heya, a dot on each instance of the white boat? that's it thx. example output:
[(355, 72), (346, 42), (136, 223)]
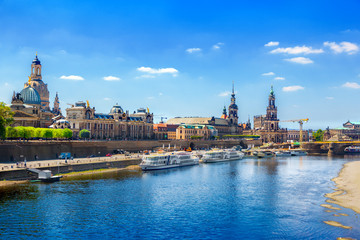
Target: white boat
[(298, 153), (283, 154), (222, 155), (352, 149), (265, 154), (168, 160)]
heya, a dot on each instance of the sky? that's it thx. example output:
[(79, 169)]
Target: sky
[(179, 58)]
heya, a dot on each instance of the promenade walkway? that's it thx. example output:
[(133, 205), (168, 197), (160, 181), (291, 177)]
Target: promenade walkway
[(60, 162)]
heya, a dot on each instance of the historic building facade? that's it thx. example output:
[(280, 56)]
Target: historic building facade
[(115, 125), (267, 126), (349, 131), (186, 132), (225, 125), (31, 106)]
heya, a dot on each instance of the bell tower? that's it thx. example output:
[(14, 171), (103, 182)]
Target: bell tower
[(271, 120), (233, 110), (56, 110), (36, 69)]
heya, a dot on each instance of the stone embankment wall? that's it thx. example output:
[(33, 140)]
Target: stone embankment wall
[(11, 152), (23, 174)]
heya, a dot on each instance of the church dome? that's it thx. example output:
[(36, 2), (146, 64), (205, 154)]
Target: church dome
[(116, 109), (30, 96), (36, 60)]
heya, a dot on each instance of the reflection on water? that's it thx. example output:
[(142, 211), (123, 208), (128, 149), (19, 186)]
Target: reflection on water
[(19, 192), (246, 199)]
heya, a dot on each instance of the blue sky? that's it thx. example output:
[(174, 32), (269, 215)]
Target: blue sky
[(179, 58)]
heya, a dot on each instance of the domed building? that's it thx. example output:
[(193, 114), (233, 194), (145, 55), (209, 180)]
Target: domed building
[(31, 105), (116, 109), (117, 124), (30, 96), (36, 82)]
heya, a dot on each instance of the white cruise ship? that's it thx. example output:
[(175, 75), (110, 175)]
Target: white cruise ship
[(222, 155), (168, 160)]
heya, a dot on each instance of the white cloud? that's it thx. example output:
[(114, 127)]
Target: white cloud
[(107, 99), (271, 44), (193, 50), (268, 74), (150, 98), (111, 78), (292, 88), (279, 78), (329, 98), (353, 85), (72, 77), (297, 50), (301, 60), (150, 70), (160, 93), (347, 47), (6, 84), (217, 46), (225, 94)]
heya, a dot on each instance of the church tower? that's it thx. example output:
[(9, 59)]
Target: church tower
[(35, 81), (56, 110), (271, 120), (233, 110)]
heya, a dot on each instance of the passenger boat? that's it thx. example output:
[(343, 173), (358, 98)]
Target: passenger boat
[(265, 154), (222, 155), (352, 149), (298, 153), (168, 160), (283, 154)]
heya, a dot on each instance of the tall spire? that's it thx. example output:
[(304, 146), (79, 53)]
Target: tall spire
[(272, 91)]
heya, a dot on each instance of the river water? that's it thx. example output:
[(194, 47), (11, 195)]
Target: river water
[(244, 199)]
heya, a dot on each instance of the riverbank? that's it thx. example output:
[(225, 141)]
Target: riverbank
[(71, 175), (347, 193), (99, 171)]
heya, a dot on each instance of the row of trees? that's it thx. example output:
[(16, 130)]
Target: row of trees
[(35, 133)]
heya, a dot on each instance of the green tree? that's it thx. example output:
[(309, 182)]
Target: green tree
[(58, 133), (29, 132), (20, 132), (318, 135), (47, 133), (83, 134), (38, 132), (67, 133), (11, 132), (6, 118)]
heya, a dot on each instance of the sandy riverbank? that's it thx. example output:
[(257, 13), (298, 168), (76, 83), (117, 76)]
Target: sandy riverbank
[(347, 193)]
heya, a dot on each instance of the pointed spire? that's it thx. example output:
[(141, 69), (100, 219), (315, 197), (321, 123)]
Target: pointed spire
[(272, 91), (233, 87)]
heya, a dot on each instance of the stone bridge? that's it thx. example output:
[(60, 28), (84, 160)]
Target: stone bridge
[(329, 148)]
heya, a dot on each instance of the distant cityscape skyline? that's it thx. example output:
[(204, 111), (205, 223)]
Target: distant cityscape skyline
[(180, 60)]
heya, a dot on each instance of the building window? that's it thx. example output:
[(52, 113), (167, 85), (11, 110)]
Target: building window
[(73, 125)]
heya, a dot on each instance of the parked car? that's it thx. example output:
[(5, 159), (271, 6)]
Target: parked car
[(118, 151), (92, 156), (108, 155), (65, 155)]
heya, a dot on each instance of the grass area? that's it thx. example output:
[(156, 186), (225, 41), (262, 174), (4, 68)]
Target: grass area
[(130, 167)]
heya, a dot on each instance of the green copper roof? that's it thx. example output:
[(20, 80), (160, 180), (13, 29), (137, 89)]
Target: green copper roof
[(30, 96), (272, 91)]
